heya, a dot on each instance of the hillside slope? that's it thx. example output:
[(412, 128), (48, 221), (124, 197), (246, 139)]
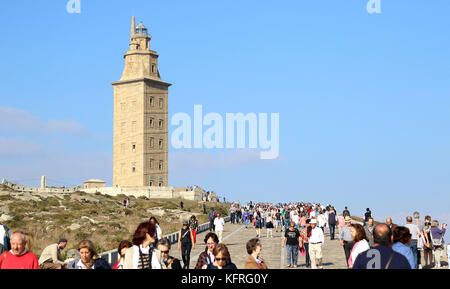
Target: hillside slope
[(100, 218)]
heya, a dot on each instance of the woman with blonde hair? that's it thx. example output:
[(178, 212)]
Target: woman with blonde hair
[(29, 241), (89, 258)]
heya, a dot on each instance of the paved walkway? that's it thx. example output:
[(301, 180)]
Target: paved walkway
[(236, 237)]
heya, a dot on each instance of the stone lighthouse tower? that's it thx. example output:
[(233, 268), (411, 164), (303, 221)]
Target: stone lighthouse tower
[(140, 155)]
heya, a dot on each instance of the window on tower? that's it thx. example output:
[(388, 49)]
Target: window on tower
[(152, 163)]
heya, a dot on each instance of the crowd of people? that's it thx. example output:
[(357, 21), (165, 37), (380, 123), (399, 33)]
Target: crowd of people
[(413, 245)]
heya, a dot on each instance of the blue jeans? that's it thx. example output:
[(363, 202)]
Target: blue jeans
[(232, 215), (414, 250), (246, 222), (292, 254), (238, 219), (286, 224), (332, 232), (308, 260)]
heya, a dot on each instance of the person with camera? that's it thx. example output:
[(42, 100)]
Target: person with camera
[(437, 240)]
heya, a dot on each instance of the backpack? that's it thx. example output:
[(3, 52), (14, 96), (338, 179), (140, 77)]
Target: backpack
[(309, 231), (436, 242)]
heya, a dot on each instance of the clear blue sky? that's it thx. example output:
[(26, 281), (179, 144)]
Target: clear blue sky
[(363, 99)]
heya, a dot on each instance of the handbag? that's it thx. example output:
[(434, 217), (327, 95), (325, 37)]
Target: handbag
[(420, 242)]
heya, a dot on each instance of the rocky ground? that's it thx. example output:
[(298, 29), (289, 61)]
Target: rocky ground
[(100, 218)]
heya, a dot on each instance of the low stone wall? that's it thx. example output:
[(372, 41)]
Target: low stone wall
[(20, 188), (149, 192)]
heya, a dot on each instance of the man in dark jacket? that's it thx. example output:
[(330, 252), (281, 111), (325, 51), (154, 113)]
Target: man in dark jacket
[(381, 255), (346, 213), (98, 264), (332, 222), (211, 217)]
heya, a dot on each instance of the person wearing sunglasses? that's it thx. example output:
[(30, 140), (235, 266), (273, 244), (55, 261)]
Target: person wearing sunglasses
[(168, 261), (222, 257)]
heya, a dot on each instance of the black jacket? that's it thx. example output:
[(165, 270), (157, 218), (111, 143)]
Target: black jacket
[(99, 264)]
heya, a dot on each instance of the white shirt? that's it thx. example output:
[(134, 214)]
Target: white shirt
[(158, 232), (295, 219), (219, 224), (312, 214), (211, 257), (155, 263), (360, 247), (80, 265), (321, 220), (316, 236)]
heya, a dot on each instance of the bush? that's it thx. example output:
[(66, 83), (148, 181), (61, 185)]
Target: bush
[(128, 212), (80, 236), (6, 198)]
